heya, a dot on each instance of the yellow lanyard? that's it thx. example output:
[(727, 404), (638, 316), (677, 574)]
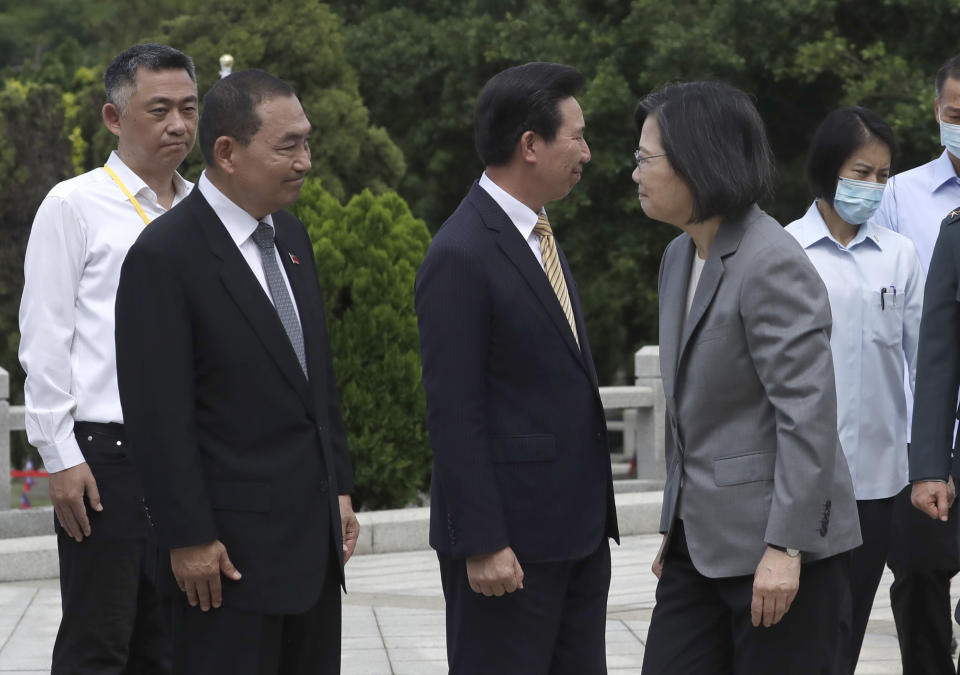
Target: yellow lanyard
[(133, 200)]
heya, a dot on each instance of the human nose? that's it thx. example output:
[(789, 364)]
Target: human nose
[(176, 124), (636, 175), (585, 154), (302, 161)]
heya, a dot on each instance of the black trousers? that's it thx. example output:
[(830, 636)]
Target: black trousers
[(923, 557), (112, 615), (701, 626), (866, 567), (226, 641), (555, 625)]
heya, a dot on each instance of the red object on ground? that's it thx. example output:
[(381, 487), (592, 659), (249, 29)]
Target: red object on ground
[(33, 473)]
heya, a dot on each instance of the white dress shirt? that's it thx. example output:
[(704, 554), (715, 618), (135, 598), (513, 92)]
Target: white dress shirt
[(78, 241), (873, 335), (240, 226), (521, 215)]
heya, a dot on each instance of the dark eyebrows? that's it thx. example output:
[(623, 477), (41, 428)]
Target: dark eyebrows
[(166, 100), (292, 136)]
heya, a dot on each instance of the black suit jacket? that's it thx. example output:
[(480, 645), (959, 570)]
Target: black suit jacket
[(232, 441), (514, 414), (938, 360)]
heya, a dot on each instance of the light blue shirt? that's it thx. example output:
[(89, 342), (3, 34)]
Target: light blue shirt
[(871, 339), (915, 202)]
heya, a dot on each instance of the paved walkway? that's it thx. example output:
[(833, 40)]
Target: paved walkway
[(393, 617)]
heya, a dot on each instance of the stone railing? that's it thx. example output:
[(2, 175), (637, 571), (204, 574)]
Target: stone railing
[(641, 406)]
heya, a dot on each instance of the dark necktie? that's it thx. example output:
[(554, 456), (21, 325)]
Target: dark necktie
[(263, 235)]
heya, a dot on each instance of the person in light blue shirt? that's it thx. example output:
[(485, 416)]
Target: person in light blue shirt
[(875, 284), (925, 553)]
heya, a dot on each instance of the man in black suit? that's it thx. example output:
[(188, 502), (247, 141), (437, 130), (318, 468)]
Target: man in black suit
[(522, 498), (938, 379), (230, 401)]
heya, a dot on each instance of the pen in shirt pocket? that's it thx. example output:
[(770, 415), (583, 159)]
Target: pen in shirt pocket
[(892, 290)]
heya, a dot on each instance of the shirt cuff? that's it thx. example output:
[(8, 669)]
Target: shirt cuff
[(928, 480), (60, 456)]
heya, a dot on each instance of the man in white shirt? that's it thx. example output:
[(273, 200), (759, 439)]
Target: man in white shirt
[(112, 621), (924, 553)]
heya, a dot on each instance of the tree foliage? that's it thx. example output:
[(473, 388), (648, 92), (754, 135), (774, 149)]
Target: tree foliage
[(367, 256), (422, 65)]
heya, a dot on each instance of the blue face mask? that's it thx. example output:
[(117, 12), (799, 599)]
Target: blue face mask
[(950, 137), (857, 200)]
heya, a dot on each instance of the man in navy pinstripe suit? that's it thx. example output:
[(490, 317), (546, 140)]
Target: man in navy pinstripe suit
[(522, 498)]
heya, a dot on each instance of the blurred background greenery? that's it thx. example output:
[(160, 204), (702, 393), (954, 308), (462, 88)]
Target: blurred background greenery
[(389, 89)]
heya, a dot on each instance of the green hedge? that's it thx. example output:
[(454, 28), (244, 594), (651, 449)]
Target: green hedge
[(367, 256)]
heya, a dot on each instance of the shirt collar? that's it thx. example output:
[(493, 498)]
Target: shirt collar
[(521, 215), (943, 172), (138, 187), (813, 229), (240, 224)]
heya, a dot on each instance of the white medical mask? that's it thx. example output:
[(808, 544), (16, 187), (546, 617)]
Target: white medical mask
[(857, 200), (950, 137)]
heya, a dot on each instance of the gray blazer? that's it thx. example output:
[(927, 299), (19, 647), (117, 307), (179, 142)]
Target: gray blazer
[(753, 456)]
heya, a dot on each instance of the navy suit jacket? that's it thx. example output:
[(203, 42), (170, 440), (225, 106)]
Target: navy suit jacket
[(513, 410), (232, 441), (938, 361)]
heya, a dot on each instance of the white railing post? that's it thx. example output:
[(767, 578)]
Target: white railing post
[(650, 430), (4, 440)]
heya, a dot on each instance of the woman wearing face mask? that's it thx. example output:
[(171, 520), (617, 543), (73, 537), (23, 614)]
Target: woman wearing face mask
[(758, 507), (875, 284)]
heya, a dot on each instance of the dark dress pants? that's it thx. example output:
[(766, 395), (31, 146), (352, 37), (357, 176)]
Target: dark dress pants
[(226, 641), (866, 567), (555, 625), (701, 626), (112, 615), (923, 557)]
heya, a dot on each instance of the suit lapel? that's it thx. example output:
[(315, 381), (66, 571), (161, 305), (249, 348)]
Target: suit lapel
[(514, 246), (584, 350), (246, 292), (673, 299), (724, 244)]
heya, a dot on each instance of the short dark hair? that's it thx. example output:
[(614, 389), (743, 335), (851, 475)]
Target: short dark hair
[(950, 68), (230, 107), (840, 134), (521, 98), (716, 142), (120, 78)]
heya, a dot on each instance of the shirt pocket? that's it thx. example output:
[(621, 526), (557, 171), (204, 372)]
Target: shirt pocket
[(884, 322)]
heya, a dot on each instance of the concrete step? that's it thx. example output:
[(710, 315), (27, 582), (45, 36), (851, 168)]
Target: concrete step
[(24, 558), (35, 557)]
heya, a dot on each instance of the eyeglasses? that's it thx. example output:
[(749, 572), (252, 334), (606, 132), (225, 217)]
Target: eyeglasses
[(641, 159)]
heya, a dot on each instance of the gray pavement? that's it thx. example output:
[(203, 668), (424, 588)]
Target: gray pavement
[(393, 617)]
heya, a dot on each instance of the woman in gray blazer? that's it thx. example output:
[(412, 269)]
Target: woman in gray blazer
[(758, 510), (875, 284)]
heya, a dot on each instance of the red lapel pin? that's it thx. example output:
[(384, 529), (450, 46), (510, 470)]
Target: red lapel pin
[(294, 259)]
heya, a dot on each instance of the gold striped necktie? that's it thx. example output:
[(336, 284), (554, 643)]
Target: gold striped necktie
[(551, 265)]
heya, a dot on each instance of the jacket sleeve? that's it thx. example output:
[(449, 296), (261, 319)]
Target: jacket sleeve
[(786, 316), (454, 315), (155, 360), (938, 365)]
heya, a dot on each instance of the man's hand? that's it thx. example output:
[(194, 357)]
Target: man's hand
[(67, 488), (657, 566), (350, 526), (932, 497), (775, 585), (495, 573), (197, 570)]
